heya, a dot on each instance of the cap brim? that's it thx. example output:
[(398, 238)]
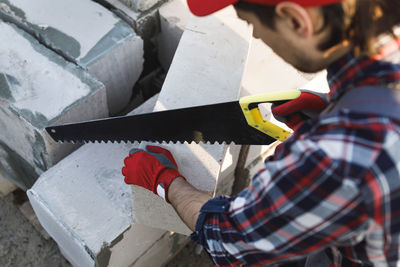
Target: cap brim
[(207, 7)]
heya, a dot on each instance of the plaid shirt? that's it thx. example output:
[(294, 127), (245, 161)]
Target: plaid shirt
[(334, 186)]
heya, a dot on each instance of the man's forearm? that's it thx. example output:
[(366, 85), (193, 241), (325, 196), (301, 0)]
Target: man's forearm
[(187, 201)]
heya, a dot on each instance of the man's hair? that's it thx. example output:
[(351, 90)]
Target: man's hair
[(358, 21)]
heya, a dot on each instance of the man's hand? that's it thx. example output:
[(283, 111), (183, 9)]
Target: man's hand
[(153, 168), (295, 111)]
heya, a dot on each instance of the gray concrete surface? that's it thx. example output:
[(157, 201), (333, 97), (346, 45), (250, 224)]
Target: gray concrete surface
[(20, 243)]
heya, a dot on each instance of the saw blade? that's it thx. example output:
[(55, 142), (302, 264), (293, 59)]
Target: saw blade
[(217, 123)]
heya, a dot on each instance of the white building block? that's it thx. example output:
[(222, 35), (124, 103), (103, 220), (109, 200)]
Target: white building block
[(207, 68), (174, 16), (90, 35), (140, 5), (38, 88), (85, 206)]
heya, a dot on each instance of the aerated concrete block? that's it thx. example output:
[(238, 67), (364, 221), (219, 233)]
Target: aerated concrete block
[(88, 34), (174, 17), (85, 206), (38, 88), (207, 68)]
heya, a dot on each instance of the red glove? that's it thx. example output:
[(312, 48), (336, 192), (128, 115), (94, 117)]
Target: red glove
[(294, 112), (153, 168)]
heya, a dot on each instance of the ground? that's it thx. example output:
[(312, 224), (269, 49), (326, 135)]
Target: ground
[(22, 245), (189, 258)]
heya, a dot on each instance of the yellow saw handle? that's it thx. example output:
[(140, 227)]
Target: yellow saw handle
[(251, 111)]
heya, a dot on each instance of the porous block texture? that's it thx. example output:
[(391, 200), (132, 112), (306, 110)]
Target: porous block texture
[(87, 34), (39, 88)]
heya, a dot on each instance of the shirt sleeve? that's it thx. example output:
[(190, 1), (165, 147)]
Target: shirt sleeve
[(305, 200)]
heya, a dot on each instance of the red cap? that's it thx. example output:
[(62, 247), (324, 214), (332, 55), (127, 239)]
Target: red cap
[(207, 7)]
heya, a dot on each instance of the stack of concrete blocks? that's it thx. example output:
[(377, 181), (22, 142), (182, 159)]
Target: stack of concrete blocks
[(142, 15), (38, 88), (88, 35), (83, 202), (63, 61)]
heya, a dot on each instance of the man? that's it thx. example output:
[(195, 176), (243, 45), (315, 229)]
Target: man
[(331, 193)]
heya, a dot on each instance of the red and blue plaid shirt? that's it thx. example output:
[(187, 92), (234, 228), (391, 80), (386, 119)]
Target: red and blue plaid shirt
[(334, 186)]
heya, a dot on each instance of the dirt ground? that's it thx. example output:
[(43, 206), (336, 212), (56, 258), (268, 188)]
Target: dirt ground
[(189, 258), (22, 245)]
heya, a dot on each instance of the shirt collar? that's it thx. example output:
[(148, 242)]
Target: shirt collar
[(350, 71)]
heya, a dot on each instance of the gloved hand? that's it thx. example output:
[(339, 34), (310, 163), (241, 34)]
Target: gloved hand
[(294, 112), (153, 168)]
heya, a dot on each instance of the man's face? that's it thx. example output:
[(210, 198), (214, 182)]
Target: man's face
[(298, 49)]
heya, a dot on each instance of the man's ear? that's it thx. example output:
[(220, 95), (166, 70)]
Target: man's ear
[(296, 18)]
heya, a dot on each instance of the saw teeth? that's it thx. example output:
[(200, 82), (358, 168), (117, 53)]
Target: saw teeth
[(129, 141)]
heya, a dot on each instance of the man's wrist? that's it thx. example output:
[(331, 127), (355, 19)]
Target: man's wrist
[(174, 187), (187, 200)]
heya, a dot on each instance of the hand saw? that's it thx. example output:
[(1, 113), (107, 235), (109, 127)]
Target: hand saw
[(239, 122)]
